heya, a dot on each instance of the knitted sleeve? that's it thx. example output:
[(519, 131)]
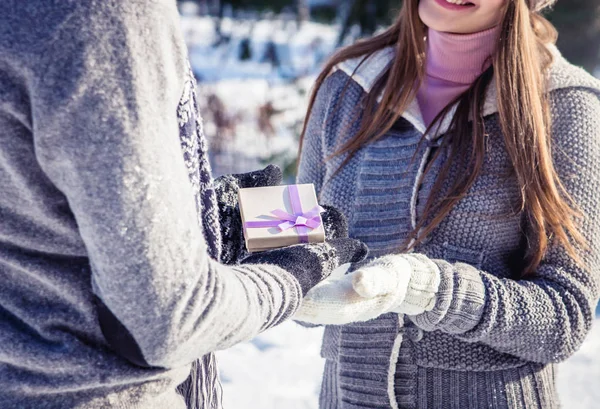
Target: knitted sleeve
[(104, 98), (546, 317)]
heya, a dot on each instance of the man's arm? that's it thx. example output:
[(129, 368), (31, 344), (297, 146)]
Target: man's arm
[(104, 93)]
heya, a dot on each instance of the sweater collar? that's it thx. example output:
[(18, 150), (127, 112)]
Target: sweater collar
[(560, 75), (460, 58)]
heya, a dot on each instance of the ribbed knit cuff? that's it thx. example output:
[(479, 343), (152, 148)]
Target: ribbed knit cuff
[(422, 287), (459, 302)]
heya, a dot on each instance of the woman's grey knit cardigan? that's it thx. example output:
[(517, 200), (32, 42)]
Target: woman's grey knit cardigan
[(492, 339)]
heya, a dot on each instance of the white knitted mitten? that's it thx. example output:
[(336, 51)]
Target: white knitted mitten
[(363, 295), (423, 286), (394, 283)]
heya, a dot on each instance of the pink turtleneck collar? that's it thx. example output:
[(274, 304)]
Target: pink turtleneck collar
[(453, 62)]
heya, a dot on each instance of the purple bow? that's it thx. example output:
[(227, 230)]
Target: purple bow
[(303, 222)]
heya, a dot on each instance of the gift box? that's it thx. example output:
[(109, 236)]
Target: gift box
[(280, 216)]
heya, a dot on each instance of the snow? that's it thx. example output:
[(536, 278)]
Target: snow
[(300, 50), (247, 146), (245, 87), (578, 376), (281, 368)]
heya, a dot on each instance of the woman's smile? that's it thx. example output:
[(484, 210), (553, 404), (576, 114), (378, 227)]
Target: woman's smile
[(461, 16), (455, 4)]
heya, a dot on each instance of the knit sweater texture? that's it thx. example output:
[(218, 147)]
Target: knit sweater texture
[(108, 214), (492, 339)]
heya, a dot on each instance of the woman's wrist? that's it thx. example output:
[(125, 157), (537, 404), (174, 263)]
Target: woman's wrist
[(422, 287)]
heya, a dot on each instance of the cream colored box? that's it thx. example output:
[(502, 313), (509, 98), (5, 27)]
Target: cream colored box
[(257, 205)]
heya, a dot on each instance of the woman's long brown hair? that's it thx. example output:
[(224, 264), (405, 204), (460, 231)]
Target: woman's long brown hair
[(518, 68)]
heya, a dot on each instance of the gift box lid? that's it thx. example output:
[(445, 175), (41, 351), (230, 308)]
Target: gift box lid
[(274, 205)]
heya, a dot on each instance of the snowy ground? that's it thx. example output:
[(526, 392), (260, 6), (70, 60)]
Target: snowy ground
[(281, 369)]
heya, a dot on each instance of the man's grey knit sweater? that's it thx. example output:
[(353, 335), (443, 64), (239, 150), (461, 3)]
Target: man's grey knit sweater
[(492, 339), (98, 219)]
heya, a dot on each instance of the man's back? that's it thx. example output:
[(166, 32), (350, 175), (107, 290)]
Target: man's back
[(52, 350), (109, 228)]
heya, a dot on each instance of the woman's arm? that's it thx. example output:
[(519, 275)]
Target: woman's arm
[(544, 318)]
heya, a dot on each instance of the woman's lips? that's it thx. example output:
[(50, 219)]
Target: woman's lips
[(452, 6)]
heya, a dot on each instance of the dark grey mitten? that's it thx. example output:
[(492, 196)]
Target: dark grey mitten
[(334, 223), (226, 188), (312, 263)]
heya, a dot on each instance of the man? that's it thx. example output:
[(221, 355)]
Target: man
[(109, 222)]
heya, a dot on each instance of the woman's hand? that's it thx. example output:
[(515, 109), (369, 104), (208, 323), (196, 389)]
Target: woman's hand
[(388, 284)]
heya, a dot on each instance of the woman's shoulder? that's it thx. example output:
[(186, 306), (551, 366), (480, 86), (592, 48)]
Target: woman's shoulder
[(352, 79), (346, 86), (562, 74), (565, 78), (361, 72), (575, 101), (366, 69)]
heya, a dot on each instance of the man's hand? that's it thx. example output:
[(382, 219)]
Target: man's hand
[(226, 188), (232, 231), (312, 263)]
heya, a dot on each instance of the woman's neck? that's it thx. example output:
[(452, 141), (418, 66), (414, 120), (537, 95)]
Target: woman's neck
[(460, 58), (453, 62)]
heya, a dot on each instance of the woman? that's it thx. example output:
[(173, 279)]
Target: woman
[(465, 150)]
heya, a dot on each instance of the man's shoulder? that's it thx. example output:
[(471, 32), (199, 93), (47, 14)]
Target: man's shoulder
[(39, 22)]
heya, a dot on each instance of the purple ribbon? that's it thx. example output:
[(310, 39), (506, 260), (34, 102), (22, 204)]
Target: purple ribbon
[(302, 221)]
